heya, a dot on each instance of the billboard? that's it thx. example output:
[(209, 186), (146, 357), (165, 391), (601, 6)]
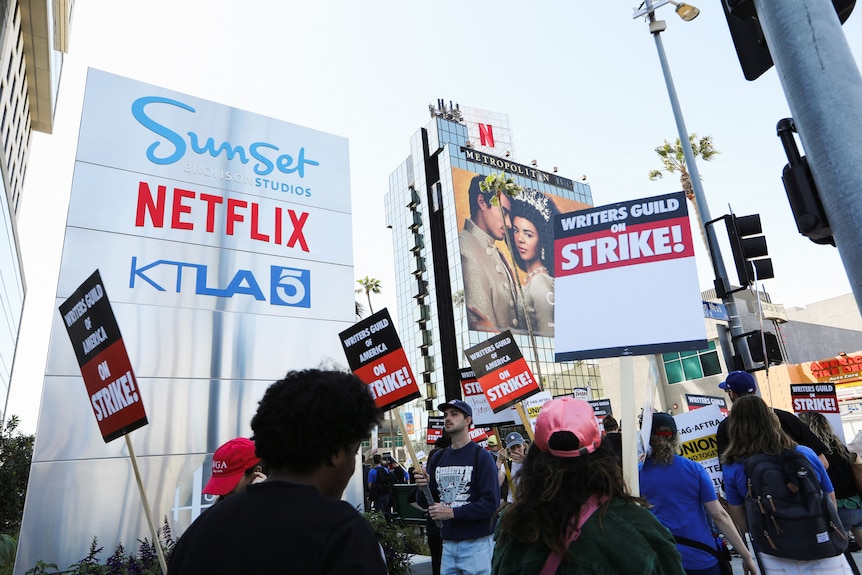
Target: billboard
[(224, 240), (627, 271), (495, 276)]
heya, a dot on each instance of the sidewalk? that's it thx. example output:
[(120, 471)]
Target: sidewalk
[(422, 564)]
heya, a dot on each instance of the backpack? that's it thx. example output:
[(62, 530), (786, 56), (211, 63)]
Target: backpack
[(788, 514), (382, 483)]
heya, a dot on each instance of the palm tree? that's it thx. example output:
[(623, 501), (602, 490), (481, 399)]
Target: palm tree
[(369, 286), (360, 310), (673, 161)]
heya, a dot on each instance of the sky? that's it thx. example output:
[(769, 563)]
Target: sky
[(581, 82)]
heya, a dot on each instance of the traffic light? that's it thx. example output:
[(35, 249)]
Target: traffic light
[(748, 245), (811, 219), (756, 340), (747, 35)]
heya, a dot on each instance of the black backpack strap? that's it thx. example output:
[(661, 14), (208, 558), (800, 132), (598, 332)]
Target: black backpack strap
[(697, 545)]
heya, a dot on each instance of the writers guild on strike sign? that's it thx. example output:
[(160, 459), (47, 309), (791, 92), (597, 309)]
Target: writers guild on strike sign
[(502, 371), (103, 360), (375, 355)]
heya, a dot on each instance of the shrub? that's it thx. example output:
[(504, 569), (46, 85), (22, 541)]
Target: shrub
[(144, 561), (398, 541)]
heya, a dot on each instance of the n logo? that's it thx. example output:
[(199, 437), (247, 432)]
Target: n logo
[(486, 135)]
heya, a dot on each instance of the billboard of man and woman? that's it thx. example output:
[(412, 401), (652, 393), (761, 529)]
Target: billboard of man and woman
[(492, 272)]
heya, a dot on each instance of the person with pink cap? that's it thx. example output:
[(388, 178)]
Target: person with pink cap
[(235, 467), (573, 512)]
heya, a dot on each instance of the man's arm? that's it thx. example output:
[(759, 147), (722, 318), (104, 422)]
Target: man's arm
[(802, 434)]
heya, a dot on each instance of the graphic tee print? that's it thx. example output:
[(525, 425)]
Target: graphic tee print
[(453, 483)]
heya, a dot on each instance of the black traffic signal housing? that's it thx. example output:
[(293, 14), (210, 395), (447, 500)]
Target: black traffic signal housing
[(756, 342), (749, 248), (747, 35), (811, 220)]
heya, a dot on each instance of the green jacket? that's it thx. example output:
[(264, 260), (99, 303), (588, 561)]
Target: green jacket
[(627, 539)]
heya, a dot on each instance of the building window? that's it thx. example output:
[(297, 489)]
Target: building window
[(688, 365)]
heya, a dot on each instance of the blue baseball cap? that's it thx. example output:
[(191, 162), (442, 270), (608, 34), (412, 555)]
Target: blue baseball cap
[(458, 404), (739, 382)]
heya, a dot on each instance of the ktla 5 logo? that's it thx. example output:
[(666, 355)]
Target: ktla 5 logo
[(287, 286)]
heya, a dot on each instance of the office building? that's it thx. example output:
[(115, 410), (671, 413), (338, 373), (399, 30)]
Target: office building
[(443, 307), (33, 39)]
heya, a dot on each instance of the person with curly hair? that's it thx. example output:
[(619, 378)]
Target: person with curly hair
[(307, 428), (840, 471), (573, 512), (681, 494), (754, 428), (532, 235)]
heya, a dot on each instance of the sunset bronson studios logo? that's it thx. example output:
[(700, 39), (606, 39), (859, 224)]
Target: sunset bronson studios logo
[(268, 161)]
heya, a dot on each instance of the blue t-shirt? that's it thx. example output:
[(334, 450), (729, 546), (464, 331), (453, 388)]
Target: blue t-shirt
[(735, 480), (677, 493)]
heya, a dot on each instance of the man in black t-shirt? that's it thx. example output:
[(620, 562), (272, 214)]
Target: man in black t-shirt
[(740, 383), (307, 429)]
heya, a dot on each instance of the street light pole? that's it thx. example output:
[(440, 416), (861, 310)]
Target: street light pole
[(656, 27)]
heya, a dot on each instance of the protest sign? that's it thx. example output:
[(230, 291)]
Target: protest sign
[(502, 371), (697, 440), (375, 355), (104, 362), (601, 407), (533, 405), (628, 271), (819, 397), (814, 397), (698, 401), (435, 429), (475, 397), (478, 434)]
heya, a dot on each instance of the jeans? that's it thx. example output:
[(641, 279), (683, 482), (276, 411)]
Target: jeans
[(850, 518), (468, 557)]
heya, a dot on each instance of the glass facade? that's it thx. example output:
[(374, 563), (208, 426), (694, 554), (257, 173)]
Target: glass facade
[(439, 153), (688, 365), (21, 60)]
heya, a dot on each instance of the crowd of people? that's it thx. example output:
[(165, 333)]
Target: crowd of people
[(556, 502)]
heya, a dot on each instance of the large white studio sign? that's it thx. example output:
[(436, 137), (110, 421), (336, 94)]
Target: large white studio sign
[(223, 238)]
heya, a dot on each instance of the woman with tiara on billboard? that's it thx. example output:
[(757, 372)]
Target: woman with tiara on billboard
[(532, 235)]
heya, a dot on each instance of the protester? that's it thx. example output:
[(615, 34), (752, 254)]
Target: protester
[(493, 445), (755, 429), (570, 481), (380, 481), (680, 494), (509, 463), (613, 437), (307, 428), (741, 384), (463, 478), (840, 472), (432, 532), (235, 466)]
